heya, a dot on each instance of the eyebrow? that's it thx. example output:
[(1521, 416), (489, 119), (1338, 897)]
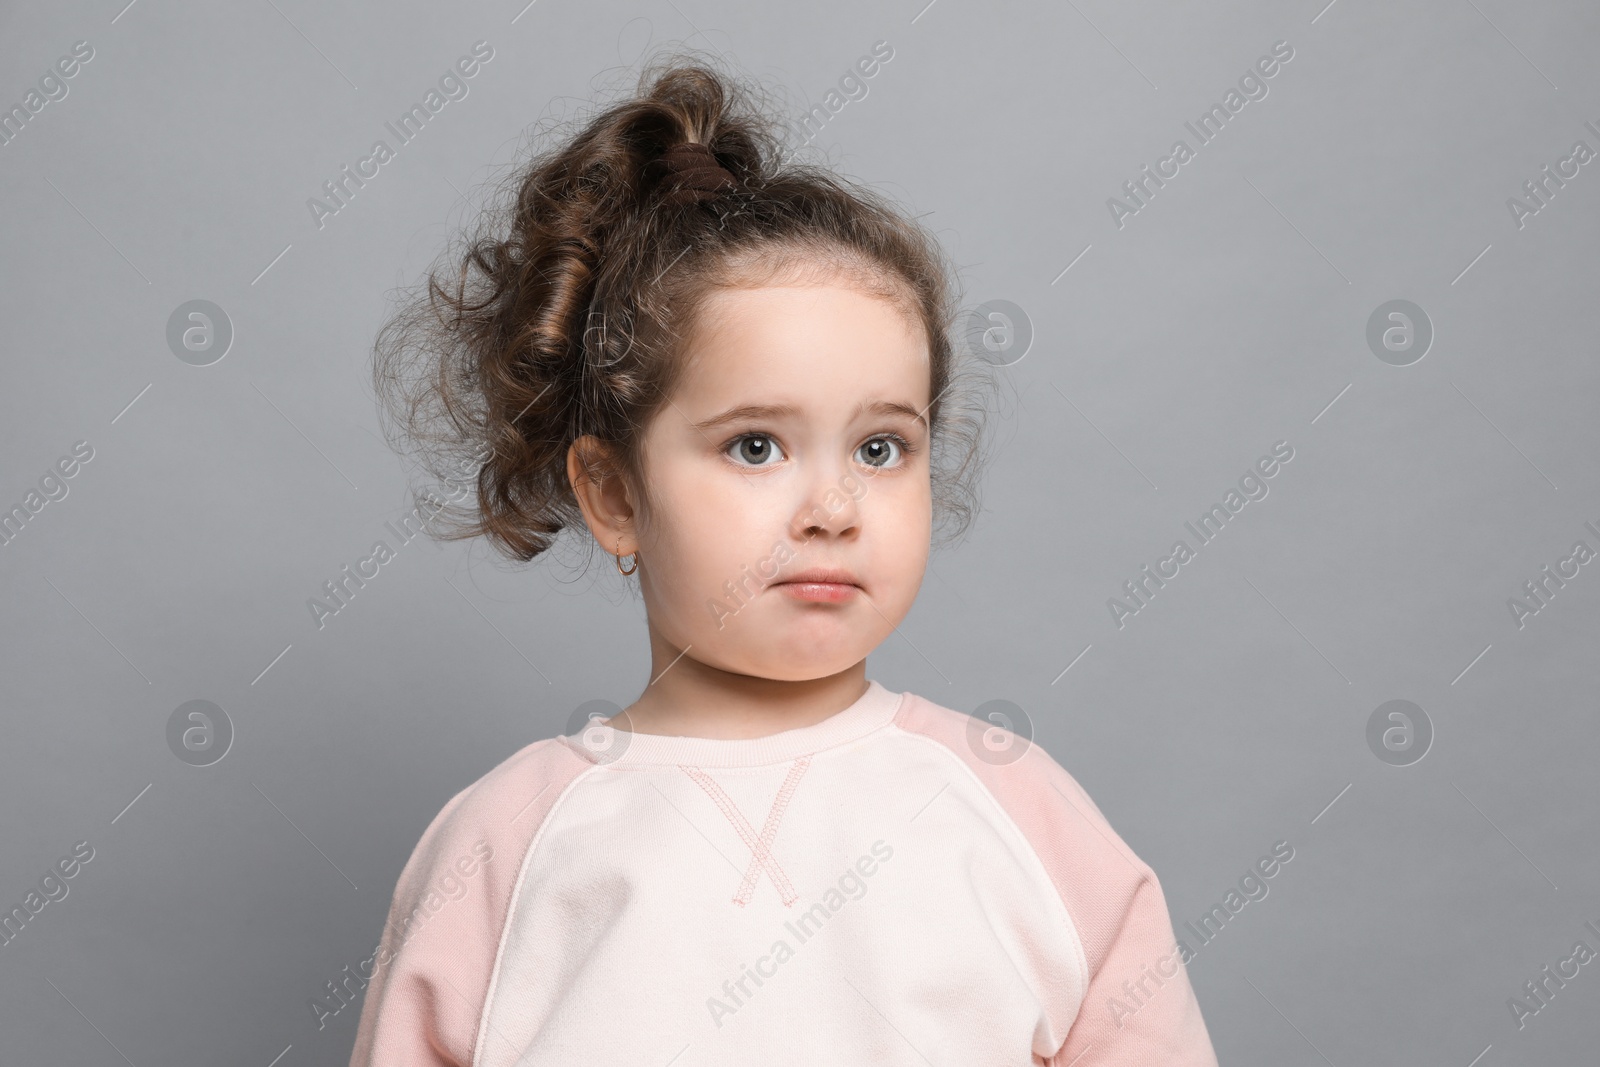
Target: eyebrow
[(775, 411)]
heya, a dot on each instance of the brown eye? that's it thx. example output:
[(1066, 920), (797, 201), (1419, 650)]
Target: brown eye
[(754, 450)]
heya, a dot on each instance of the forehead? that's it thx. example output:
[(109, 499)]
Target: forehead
[(824, 340)]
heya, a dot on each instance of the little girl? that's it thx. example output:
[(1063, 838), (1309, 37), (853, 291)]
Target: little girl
[(738, 373)]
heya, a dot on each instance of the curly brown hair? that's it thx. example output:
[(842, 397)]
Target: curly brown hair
[(565, 313)]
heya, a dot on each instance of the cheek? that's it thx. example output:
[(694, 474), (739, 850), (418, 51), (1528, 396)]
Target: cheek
[(902, 528), (704, 534)]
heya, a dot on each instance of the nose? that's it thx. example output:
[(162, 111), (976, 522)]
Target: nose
[(829, 507)]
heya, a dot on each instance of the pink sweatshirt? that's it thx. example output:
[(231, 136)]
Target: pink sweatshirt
[(869, 889)]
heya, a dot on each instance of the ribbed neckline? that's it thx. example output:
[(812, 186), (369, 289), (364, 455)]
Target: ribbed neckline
[(875, 708)]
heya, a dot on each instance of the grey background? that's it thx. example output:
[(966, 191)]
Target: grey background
[(1228, 314)]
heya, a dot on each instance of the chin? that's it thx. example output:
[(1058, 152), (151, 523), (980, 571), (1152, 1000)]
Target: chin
[(795, 642), (791, 657), (796, 659), (785, 669)]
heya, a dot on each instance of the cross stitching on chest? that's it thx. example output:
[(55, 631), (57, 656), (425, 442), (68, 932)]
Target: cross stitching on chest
[(761, 857)]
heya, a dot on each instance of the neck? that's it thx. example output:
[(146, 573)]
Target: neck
[(689, 698)]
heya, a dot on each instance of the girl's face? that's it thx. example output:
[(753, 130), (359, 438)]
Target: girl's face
[(795, 442)]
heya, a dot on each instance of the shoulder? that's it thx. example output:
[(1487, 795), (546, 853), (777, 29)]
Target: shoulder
[(504, 807), (481, 835), (1017, 770), (431, 970), (1089, 862), (1112, 896)]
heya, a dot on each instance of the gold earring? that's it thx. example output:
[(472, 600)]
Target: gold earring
[(618, 555)]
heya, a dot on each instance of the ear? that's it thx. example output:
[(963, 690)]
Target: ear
[(595, 472)]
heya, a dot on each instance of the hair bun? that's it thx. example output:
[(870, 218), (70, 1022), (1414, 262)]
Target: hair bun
[(693, 173)]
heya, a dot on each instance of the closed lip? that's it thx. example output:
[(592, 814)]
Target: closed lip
[(819, 574)]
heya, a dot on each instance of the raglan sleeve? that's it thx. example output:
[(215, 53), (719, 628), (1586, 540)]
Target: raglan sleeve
[(1139, 1009), (428, 977)]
